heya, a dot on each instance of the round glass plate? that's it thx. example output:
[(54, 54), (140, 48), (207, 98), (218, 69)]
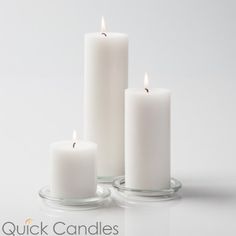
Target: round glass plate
[(105, 179), (147, 195), (101, 198)]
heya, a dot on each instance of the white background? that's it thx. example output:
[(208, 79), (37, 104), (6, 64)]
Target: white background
[(188, 46)]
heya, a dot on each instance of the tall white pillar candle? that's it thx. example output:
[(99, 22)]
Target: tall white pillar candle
[(106, 73), (73, 166), (147, 138)]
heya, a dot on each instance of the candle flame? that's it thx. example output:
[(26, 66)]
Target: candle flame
[(146, 82), (74, 135), (103, 25), (74, 138)]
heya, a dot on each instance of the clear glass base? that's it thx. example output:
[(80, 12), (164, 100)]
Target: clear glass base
[(105, 179), (101, 198), (147, 195)]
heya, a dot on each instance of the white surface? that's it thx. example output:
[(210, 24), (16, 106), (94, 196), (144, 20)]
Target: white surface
[(187, 46)]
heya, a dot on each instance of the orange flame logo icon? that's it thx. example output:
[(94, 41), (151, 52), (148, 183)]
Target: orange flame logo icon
[(28, 221)]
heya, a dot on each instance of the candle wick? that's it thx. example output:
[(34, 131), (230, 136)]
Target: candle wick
[(74, 144), (104, 34), (147, 90)]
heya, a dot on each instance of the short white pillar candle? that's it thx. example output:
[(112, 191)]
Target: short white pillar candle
[(73, 167), (147, 138)]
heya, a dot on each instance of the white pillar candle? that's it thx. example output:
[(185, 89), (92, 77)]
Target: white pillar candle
[(73, 165), (147, 138), (106, 76)]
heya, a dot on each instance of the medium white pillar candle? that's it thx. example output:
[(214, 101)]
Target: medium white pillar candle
[(73, 166), (147, 138), (106, 76)]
